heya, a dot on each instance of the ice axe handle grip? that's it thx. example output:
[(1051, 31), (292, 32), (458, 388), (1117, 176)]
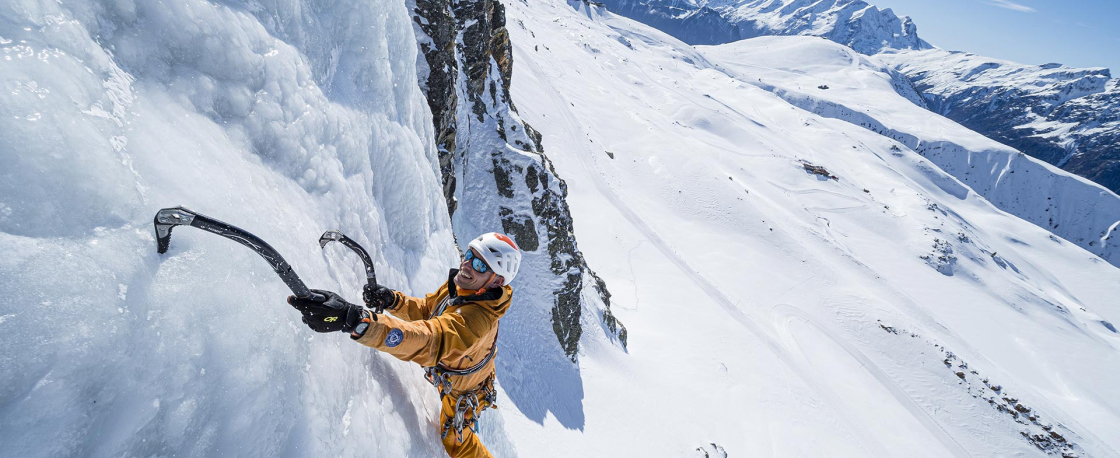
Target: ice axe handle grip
[(315, 297)]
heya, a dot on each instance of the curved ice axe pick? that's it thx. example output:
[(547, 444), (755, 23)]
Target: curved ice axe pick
[(336, 236), (168, 218)]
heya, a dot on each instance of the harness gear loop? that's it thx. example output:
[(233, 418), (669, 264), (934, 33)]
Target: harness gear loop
[(459, 421), (471, 403), (439, 379)]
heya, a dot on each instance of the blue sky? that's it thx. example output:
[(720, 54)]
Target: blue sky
[(1078, 33)]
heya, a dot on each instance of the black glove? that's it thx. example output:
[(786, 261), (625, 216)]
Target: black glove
[(378, 298), (330, 315)]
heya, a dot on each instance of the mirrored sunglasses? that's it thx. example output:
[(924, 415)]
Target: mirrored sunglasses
[(477, 263)]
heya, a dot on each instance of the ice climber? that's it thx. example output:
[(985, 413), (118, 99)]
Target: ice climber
[(452, 332)]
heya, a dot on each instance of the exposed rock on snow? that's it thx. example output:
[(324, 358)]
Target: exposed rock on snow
[(941, 258), (1050, 438), (818, 170)]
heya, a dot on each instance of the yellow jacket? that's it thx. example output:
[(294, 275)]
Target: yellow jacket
[(457, 337)]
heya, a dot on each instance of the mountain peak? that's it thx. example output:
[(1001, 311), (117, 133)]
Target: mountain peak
[(854, 23)]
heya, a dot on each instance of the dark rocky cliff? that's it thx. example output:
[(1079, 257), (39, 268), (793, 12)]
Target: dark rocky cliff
[(495, 173)]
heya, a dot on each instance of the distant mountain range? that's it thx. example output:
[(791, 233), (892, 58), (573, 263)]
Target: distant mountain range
[(1065, 116)]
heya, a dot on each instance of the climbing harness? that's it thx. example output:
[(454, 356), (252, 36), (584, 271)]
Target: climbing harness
[(474, 401)]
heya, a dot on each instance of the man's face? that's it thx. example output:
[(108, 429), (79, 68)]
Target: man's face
[(468, 278)]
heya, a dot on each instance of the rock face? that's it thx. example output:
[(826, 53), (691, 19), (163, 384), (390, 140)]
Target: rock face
[(496, 176), (1068, 117), (855, 23)]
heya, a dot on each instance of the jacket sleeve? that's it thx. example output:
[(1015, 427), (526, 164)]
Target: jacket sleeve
[(428, 342), (410, 308)]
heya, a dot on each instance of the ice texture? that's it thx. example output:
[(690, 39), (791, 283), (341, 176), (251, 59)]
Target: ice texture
[(283, 118)]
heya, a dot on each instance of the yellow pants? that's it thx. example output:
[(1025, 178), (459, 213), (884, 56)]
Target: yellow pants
[(471, 446)]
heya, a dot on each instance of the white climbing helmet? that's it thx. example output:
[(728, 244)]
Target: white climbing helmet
[(499, 252)]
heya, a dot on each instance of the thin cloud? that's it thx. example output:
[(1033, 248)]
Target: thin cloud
[(1008, 4)]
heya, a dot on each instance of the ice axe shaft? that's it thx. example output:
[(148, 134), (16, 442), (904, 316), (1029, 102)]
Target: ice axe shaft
[(336, 236), (166, 220)]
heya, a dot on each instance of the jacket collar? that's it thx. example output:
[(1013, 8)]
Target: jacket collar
[(453, 291)]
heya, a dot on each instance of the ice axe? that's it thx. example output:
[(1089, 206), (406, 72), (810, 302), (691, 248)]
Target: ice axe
[(336, 236), (168, 218)]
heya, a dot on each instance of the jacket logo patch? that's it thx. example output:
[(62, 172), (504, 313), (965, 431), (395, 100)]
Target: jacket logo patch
[(394, 338)]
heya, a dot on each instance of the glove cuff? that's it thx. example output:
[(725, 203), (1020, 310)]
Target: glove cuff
[(353, 316), (364, 320)]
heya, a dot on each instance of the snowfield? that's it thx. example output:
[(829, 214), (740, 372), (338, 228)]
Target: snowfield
[(800, 272), (777, 312)]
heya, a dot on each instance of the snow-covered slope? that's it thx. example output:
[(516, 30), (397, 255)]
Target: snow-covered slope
[(1069, 117), (837, 83), (286, 119), (777, 312), (1065, 117)]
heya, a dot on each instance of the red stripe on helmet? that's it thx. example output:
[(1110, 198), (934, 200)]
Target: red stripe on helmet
[(503, 238)]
